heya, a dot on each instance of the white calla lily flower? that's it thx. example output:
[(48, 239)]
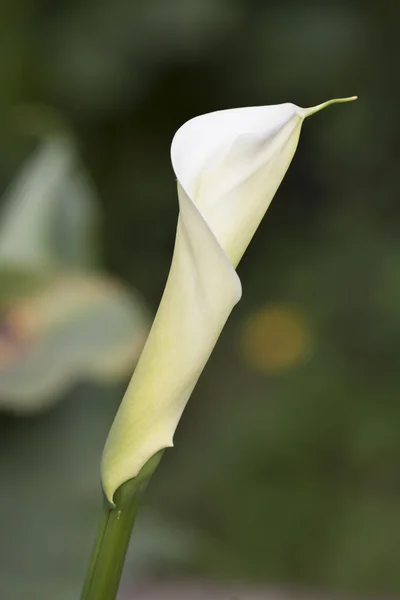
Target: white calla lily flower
[(229, 165)]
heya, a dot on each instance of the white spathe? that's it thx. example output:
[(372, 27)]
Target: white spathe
[(229, 165)]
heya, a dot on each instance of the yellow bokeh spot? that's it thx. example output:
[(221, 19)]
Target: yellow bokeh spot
[(275, 337)]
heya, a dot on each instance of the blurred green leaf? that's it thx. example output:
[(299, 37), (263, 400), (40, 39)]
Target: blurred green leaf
[(61, 320)]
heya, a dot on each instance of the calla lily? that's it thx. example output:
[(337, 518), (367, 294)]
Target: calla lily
[(229, 165)]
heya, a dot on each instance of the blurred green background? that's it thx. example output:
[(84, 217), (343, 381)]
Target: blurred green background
[(286, 466)]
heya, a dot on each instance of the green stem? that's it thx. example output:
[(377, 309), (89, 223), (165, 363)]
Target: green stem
[(111, 545), (113, 536)]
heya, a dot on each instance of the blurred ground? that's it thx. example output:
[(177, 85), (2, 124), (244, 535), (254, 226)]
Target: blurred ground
[(286, 464), (205, 591)]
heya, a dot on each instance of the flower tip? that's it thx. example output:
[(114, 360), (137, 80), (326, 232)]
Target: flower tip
[(307, 112)]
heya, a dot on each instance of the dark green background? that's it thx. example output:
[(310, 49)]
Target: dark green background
[(290, 477)]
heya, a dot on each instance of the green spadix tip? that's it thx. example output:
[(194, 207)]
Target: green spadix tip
[(307, 112)]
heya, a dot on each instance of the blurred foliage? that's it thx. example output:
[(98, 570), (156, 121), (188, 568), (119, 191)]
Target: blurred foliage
[(61, 319), (288, 475)]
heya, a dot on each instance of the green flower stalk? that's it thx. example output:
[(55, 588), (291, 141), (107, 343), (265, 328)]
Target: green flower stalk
[(228, 165)]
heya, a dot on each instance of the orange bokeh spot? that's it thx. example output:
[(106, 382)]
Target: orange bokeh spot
[(275, 337)]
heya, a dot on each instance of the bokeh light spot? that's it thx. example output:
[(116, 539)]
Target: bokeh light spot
[(275, 337)]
